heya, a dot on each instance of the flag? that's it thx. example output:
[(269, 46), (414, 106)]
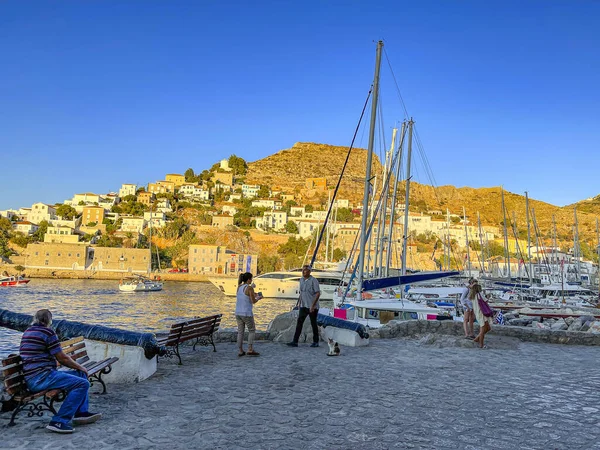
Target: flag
[(499, 318)]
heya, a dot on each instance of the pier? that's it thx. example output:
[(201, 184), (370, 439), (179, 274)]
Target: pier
[(396, 393)]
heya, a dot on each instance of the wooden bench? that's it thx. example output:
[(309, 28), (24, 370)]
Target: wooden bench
[(75, 348), (36, 404), (14, 382), (199, 328)]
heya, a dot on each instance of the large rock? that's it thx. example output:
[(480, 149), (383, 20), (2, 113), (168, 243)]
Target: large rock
[(559, 325), (283, 327), (595, 327)]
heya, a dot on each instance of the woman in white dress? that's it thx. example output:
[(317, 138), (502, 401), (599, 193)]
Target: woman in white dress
[(485, 323)]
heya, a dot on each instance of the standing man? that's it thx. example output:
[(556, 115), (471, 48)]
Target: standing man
[(40, 350), (309, 306), (469, 315)]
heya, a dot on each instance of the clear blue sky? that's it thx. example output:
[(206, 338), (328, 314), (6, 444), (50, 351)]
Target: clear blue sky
[(94, 93)]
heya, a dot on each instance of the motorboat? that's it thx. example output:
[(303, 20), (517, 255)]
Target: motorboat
[(13, 281), (139, 284), (283, 284)]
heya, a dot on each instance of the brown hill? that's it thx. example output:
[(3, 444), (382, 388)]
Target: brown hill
[(288, 170)]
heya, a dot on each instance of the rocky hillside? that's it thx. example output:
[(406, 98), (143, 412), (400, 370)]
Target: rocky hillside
[(288, 170)]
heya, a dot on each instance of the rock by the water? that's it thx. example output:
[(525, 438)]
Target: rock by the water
[(559, 325)]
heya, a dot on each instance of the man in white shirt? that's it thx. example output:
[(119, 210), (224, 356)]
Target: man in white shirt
[(469, 315), (308, 303)]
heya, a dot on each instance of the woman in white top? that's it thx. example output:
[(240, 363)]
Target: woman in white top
[(246, 298), (485, 323)]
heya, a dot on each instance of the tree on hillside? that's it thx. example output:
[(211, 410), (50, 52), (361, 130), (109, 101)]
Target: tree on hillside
[(67, 212), (267, 263), (38, 236), (339, 254), (130, 198), (189, 175), (238, 165), (291, 227), (263, 191), (308, 208), (344, 215)]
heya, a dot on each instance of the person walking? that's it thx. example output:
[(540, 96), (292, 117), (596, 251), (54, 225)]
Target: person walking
[(244, 315), (308, 302), (40, 350), (485, 323), (468, 315)]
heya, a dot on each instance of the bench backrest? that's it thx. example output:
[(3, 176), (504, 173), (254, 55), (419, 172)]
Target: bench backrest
[(75, 348), (193, 328), (14, 381)]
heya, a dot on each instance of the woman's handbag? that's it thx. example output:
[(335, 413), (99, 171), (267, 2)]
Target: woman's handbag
[(485, 307)]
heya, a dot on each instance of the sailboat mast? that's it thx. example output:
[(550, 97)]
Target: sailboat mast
[(598, 251), (576, 250), (393, 212), (327, 231), (406, 200), (448, 239), (150, 243), (481, 243), (381, 231), (528, 238), (506, 252), (363, 228), (467, 242), (554, 250)]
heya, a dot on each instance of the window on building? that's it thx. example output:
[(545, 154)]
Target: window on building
[(36, 253), (46, 262)]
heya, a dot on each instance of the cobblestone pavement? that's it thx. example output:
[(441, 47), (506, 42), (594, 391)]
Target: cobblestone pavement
[(392, 394)]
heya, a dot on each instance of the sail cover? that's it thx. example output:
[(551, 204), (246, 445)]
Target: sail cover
[(381, 283)]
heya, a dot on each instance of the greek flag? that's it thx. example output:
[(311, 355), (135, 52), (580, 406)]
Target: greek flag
[(500, 318)]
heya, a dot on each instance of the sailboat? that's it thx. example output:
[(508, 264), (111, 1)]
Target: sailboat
[(371, 298), (140, 283)]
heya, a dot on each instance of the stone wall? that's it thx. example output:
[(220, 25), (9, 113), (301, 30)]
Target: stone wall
[(410, 328)]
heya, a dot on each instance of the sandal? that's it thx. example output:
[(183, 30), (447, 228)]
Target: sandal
[(241, 354), (253, 353)]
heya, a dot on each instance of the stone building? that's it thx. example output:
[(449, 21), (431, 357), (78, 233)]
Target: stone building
[(61, 235), (222, 220), (217, 260), (175, 178), (92, 214), (146, 198)]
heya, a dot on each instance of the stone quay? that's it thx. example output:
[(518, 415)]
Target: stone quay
[(425, 391)]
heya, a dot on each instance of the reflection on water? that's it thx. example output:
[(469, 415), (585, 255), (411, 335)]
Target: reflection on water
[(101, 302)]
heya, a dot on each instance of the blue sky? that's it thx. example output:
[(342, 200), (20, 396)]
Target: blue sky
[(95, 93)]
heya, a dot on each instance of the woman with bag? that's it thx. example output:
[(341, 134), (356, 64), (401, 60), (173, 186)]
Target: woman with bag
[(483, 313), (244, 315)]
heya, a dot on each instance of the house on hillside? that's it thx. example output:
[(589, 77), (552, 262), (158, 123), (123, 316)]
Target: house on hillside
[(222, 221), (26, 227), (40, 212), (127, 189)]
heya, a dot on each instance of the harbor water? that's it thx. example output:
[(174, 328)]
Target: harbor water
[(100, 302)]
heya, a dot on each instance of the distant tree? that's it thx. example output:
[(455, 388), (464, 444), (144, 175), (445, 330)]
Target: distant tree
[(5, 224), (130, 198), (339, 254), (140, 189), (291, 227), (267, 263), (81, 203), (67, 212), (38, 235), (20, 239), (263, 191), (19, 268), (107, 240), (308, 208), (344, 215), (91, 224), (238, 165), (189, 175)]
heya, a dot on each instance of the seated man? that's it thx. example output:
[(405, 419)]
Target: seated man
[(40, 349)]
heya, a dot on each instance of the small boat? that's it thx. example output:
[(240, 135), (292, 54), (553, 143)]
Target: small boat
[(14, 281), (139, 284)]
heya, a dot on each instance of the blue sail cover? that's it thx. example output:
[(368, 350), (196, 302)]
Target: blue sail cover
[(382, 283)]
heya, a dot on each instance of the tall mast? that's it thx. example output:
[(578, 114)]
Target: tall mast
[(554, 251), (406, 200), (528, 239), (448, 238), (598, 251), (363, 229), (394, 195), (517, 247), (383, 212), (506, 252), (327, 230), (150, 238), (576, 250), (481, 243), (467, 242)]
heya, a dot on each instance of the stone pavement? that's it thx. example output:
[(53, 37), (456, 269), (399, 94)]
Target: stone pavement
[(433, 394)]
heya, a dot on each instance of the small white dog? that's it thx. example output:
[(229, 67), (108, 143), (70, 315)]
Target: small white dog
[(334, 348)]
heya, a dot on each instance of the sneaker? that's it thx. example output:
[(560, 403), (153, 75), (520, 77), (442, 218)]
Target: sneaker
[(86, 417), (314, 344), (292, 344), (59, 427)]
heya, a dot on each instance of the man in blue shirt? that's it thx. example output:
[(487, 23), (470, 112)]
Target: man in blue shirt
[(40, 350)]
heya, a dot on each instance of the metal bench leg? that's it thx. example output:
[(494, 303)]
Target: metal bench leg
[(196, 343), (97, 377), (17, 410), (210, 338), (177, 353)]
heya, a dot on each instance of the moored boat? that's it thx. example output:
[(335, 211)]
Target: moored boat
[(13, 281), (139, 284)]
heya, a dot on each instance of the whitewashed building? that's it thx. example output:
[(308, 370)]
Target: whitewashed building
[(127, 189), (272, 220), (133, 224), (250, 190), (157, 218), (41, 211), (26, 227)]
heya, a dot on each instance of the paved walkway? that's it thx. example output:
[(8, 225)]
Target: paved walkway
[(393, 394)]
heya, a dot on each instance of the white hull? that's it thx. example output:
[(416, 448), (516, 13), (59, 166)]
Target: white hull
[(141, 287), (282, 284)]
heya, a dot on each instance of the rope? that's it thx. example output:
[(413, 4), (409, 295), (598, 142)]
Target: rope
[(337, 187)]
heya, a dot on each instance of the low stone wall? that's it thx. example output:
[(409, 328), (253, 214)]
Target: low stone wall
[(105, 275), (411, 328)]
